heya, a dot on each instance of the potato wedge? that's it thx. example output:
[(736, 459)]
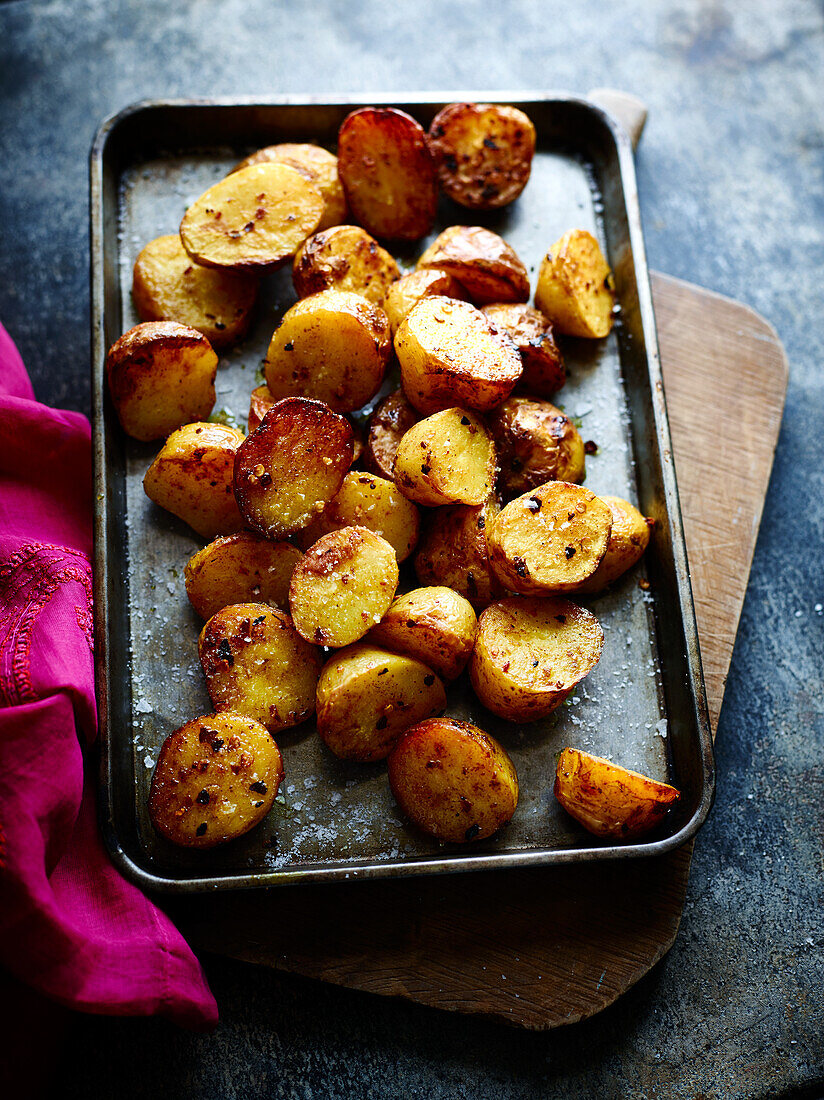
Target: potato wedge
[(288, 470), (428, 282), (482, 262), (544, 371), (387, 173), (343, 586), (344, 258), (609, 800), (368, 698), (483, 152), (161, 375), (261, 401), (255, 663), (628, 540), (192, 478), (536, 443), (453, 552), (388, 424), (318, 165), (575, 286), (253, 219), (453, 780), (240, 568), (334, 346), (550, 539), (450, 354), (435, 625), (447, 458), (215, 779), (529, 654)]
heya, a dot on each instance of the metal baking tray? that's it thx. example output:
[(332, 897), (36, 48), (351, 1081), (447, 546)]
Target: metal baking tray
[(643, 706)]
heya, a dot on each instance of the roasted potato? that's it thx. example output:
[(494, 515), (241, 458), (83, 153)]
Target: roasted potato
[(609, 800), (343, 586), (388, 424), (436, 625), (482, 262), (536, 443), (288, 470), (628, 540), (334, 347), (241, 568), (261, 401), (161, 375), (450, 354), (318, 165), (575, 286), (255, 663), (252, 220), (529, 654), (544, 371), (192, 478), (368, 698), (387, 173), (447, 458), (216, 778), (549, 540), (453, 780), (453, 552), (483, 152), (344, 258), (428, 282)]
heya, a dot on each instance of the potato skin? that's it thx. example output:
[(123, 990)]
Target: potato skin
[(408, 290), (447, 458), (318, 165), (435, 625), (240, 568), (482, 262), (344, 258), (531, 333), (388, 424), (573, 288), (536, 443), (628, 540), (453, 552), (453, 780)]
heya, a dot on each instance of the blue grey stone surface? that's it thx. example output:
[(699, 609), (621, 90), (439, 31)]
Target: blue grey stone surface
[(731, 175)]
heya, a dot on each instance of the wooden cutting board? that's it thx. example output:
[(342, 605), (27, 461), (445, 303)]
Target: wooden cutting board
[(540, 948)]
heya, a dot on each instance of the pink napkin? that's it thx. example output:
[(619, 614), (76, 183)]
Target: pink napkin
[(69, 924)]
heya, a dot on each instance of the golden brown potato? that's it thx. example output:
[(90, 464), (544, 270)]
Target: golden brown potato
[(344, 258), (255, 663), (161, 375), (450, 354), (482, 262), (241, 568), (436, 625), (429, 282), (447, 458), (387, 173), (453, 552), (549, 540), (529, 654), (388, 424), (192, 478), (628, 540), (343, 586), (609, 800), (253, 219), (483, 152), (288, 470), (216, 778), (318, 165), (368, 698), (574, 286), (167, 285), (334, 347), (536, 443), (261, 401), (453, 780), (531, 333)]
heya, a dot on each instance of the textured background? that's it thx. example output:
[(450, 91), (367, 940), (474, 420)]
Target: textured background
[(731, 173)]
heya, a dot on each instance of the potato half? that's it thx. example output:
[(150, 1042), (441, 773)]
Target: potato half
[(436, 625), (531, 333), (536, 443), (447, 458), (367, 698), (429, 282), (241, 568), (453, 552), (609, 800), (628, 540), (388, 424), (482, 262), (574, 286), (529, 654), (453, 780), (261, 401), (318, 165), (344, 258)]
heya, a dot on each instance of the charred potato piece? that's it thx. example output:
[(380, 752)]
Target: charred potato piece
[(483, 152), (368, 698), (389, 423), (531, 333), (450, 354), (255, 663), (529, 654), (343, 586), (453, 552), (261, 401), (216, 778), (447, 458), (288, 470), (334, 347), (429, 282), (241, 568), (161, 375), (436, 625), (482, 262), (253, 219), (536, 443), (344, 258), (549, 540), (574, 286), (628, 540), (387, 173), (453, 780), (318, 165), (609, 800), (192, 478)]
